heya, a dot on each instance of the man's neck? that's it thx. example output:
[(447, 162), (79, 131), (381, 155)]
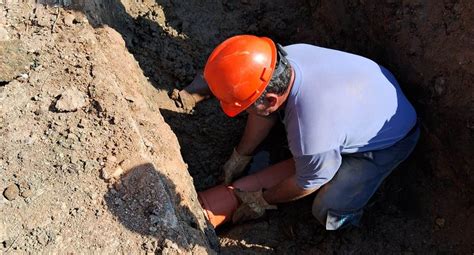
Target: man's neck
[(288, 90)]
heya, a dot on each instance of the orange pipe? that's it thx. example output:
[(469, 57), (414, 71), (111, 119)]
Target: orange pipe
[(219, 203)]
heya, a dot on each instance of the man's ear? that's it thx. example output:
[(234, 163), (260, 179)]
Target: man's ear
[(272, 99)]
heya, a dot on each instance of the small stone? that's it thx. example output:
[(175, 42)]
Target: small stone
[(440, 222), (69, 19), (42, 238), (130, 98), (74, 159), (111, 158), (38, 111), (11, 192), (71, 100), (4, 34), (27, 193), (72, 137), (147, 143), (23, 77), (110, 173)]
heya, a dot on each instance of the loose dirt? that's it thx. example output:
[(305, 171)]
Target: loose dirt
[(101, 171)]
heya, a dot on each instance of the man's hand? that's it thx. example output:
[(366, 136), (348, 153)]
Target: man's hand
[(235, 166), (252, 206), (183, 100)]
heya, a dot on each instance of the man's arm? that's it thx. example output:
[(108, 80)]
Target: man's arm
[(312, 171), (256, 129), (254, 203), (286, 191)]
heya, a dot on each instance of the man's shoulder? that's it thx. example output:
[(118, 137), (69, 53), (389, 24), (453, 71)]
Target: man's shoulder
[(300, 47)]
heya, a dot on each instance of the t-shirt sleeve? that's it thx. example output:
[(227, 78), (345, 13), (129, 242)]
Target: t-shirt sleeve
[(313, 171)]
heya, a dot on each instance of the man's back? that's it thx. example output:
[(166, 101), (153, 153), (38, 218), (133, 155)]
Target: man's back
[(343, 102)]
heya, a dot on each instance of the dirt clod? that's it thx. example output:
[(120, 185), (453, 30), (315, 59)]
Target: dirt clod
[(11, 192), (70, 100)]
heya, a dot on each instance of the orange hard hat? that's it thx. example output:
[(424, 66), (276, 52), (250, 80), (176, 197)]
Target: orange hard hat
[(239, 70)]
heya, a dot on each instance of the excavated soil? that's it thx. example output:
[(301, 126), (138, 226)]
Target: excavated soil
[(57, 162)]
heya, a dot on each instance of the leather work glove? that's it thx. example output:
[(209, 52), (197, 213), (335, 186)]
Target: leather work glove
[(252, 206), (183, 100), (234, 166)]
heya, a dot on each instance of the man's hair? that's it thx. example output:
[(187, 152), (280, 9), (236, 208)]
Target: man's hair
[(280, 80)]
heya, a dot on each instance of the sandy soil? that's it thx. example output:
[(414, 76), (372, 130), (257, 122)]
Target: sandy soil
[(63, 166)]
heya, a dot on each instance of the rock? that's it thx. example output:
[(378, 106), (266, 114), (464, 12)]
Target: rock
[(71, 100), (11, 192), (36, 98), (42, 238), (4, 34), (27, 193), (110, 173), (69, 19), (38, 111), (23, 77)]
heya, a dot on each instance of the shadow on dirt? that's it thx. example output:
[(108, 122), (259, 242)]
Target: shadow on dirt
[(171, 41), (203, 146), (142, 201), (169, 50), (207, 137)]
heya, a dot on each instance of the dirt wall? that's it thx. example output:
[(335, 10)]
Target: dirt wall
[(87, 162), (429, 45)]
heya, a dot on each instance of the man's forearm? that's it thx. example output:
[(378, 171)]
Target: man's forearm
[(198, 88), (256, 129), (286, 191)]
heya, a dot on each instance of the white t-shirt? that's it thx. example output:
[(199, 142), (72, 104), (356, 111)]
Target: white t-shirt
[(340, 103)]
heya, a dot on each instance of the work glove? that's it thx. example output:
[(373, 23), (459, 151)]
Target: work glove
[(252, 206), (183, 100), (235, 166)]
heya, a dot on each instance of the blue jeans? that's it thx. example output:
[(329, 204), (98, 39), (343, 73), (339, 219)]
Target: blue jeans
[(340, 202)]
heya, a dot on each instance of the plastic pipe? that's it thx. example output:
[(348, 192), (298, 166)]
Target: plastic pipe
[(219, 203)]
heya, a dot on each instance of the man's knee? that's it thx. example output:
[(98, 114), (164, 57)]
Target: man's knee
[(332, 217)]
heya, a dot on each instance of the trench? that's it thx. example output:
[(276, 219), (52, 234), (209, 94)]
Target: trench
[(172, 39)]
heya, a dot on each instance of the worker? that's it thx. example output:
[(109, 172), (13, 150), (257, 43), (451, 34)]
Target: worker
[(348, 124)]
